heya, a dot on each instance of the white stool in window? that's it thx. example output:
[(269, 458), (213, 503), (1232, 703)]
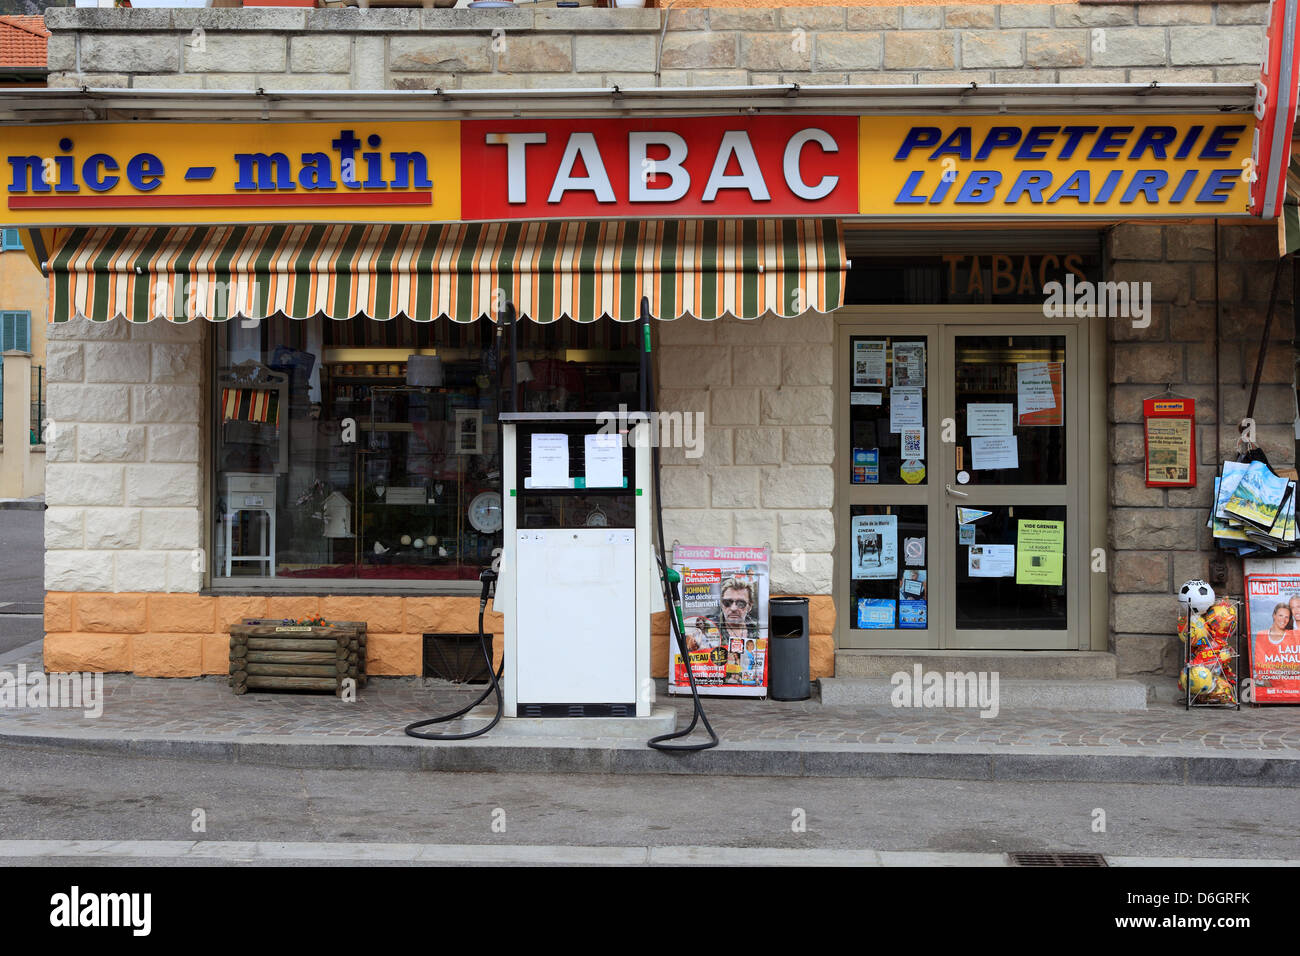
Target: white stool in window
[(251, 492)]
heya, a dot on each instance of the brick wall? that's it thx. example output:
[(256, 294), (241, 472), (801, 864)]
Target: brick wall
[(1158, 537), (340, 49)]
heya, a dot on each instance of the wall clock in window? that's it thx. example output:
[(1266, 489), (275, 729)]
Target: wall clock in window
[(485, 512)]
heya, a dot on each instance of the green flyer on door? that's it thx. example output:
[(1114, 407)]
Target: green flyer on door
[(1040, 552)]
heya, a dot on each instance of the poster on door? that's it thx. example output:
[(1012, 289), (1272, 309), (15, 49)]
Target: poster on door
[(874, 540), (1039, 393), (724, 617)]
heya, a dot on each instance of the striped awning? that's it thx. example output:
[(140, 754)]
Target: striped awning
[(462, 271)]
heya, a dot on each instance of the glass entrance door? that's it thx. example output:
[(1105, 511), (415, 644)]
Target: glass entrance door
[(960, 447), (1011, 504)]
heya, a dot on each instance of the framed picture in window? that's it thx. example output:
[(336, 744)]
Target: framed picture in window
[(469, 431)]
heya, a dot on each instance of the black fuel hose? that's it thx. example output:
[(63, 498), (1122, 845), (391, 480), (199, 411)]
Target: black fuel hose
[(488, 577), (670, 601)]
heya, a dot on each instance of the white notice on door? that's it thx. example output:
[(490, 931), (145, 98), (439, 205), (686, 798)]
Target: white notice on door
[(991, 561), (988, 419), (905, 409), (550, 461), (994, 451)]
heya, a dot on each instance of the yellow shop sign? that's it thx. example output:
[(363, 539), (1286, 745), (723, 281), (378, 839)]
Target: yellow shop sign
[(115, 173), (1058, 166)]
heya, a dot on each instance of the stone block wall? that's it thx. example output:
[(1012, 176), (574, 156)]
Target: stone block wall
[(399, 49), (185, 635), (763, 476), (123, 480), (1158, 537)]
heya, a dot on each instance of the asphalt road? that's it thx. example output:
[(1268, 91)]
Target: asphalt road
[(57, 795), (22, 577)]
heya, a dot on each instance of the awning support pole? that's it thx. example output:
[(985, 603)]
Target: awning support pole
[(1263, 343), (508, 316)]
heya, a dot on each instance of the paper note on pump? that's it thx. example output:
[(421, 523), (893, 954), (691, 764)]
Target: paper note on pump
[(604, 457), (550, 461)]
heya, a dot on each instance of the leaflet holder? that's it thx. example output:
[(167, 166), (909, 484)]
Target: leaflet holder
[(577, 582)]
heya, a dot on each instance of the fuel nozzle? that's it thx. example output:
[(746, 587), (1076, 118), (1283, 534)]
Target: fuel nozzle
[(674, 579), (489, 579)]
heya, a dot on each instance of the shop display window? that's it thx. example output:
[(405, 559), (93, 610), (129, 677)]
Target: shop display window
[(370, 451)]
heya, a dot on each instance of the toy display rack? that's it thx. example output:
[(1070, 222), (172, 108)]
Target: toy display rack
[(1190, 699)]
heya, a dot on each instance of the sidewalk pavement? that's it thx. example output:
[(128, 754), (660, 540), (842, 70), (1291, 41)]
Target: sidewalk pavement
[(202, 719)]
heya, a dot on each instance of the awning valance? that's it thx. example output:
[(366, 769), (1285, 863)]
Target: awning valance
[(462, 271)]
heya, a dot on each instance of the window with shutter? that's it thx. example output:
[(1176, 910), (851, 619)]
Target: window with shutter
[(12, 240), (15, 331)]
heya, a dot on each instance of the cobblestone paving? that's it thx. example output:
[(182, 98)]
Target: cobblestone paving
[(206, 707)]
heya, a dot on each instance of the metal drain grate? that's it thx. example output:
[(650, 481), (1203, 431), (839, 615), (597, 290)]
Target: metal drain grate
[(1057, 859)]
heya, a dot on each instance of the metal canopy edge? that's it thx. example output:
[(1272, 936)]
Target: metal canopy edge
[(51, 106)]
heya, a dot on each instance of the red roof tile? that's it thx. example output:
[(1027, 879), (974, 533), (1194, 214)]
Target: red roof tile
[(22, 41)]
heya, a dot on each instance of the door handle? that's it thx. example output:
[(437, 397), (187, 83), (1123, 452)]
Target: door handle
[(953, 491)]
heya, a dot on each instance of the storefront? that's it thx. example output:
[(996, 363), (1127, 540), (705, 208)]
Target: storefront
[(895, 323)]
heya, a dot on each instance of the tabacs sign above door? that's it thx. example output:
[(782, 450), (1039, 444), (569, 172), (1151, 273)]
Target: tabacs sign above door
[(950, 167)]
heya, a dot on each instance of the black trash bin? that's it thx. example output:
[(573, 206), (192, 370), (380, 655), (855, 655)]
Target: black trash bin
[(788, 645)]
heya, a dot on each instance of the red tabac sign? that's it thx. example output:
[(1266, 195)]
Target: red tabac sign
[(1275, 110), (771, 166)]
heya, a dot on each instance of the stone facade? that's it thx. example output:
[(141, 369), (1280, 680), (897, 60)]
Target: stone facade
[(1158, 537), (764, 475), (126, 477), (187, 635), (124, 481), (342, 49)]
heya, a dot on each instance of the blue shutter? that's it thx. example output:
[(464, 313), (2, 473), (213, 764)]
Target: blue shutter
[(12, 240), (15, 331)]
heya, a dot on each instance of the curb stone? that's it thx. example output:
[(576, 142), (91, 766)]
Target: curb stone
[(631, 758)]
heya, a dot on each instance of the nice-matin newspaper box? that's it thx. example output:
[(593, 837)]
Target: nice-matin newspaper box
[(577, 579)]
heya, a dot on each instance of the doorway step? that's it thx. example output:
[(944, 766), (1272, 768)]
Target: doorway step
[(1027, 680)]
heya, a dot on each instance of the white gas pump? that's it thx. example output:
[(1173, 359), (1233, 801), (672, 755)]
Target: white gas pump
[(577, 579), (579, 575)]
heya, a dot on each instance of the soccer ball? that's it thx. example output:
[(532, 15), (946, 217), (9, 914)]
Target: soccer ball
[(1197, 595), (1201, 677), (1196, 627)]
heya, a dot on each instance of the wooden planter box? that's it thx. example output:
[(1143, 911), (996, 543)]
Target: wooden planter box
[(273, 655)]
